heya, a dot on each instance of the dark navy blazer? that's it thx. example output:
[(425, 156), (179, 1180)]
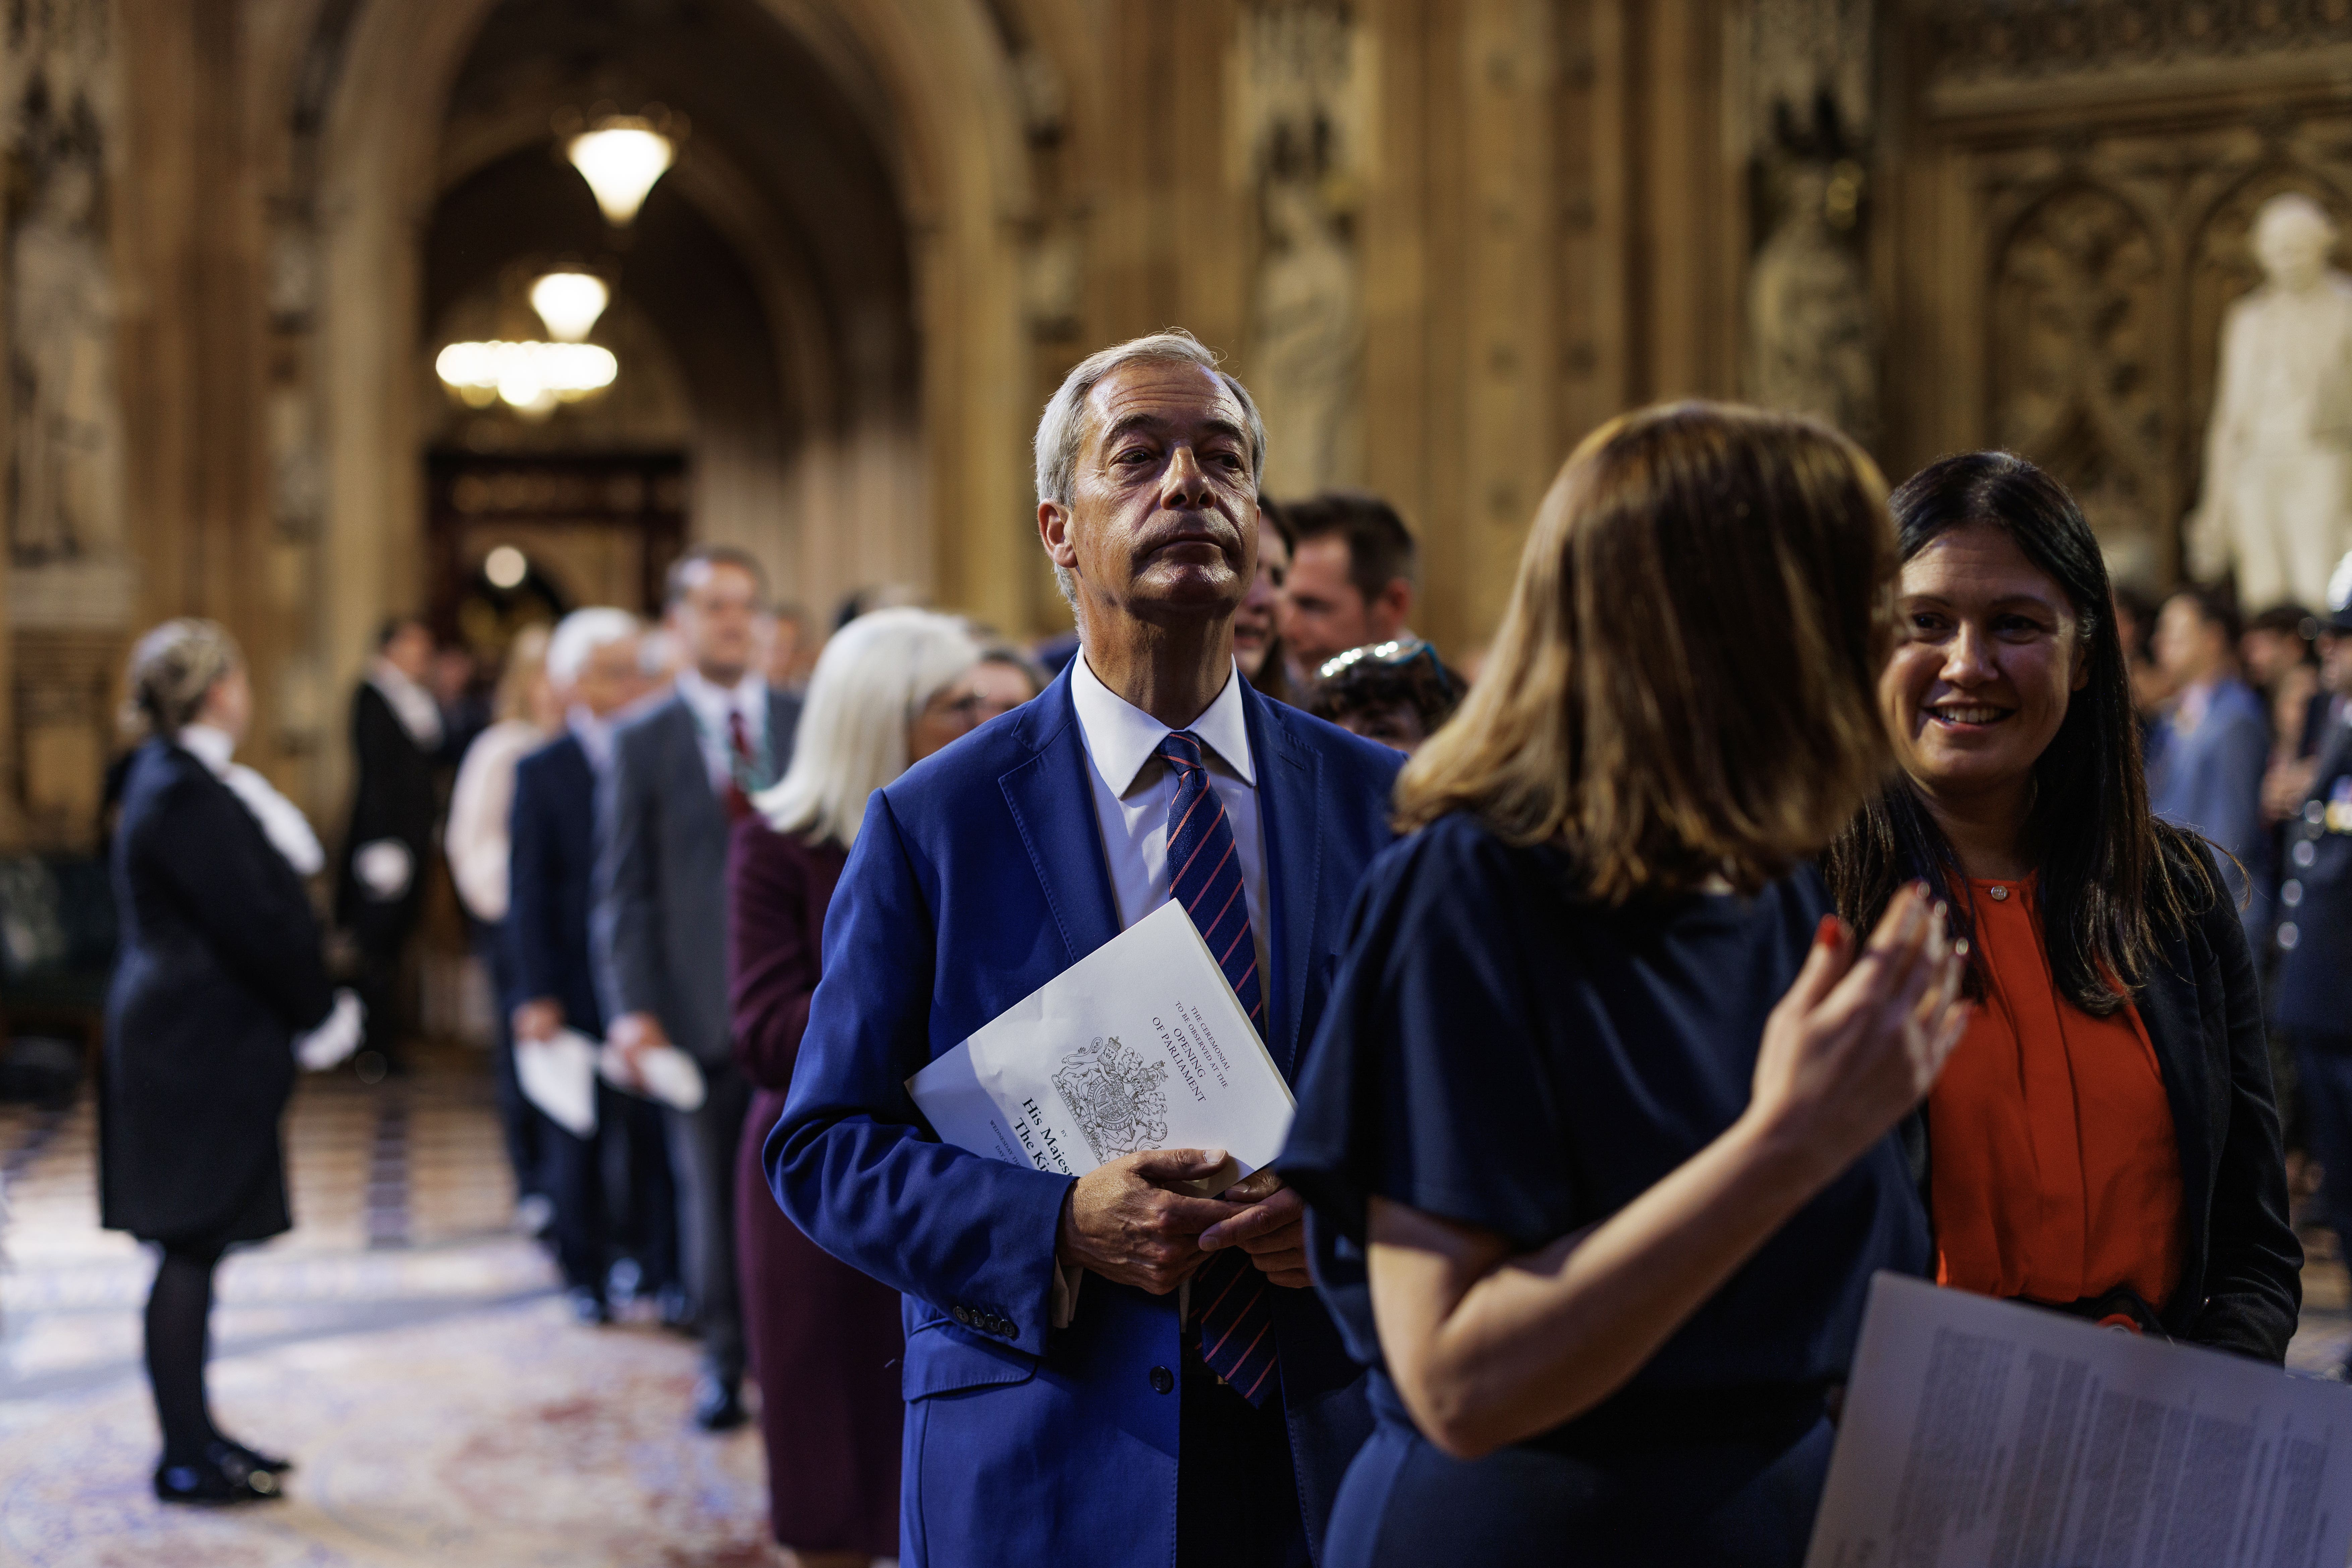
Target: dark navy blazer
[(551, 873), (976, 878)]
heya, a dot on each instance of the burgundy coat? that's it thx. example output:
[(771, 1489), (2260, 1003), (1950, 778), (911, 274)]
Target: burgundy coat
[(825, 1339)]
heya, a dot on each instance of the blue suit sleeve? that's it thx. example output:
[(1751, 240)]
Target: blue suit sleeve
[(851, 1160)]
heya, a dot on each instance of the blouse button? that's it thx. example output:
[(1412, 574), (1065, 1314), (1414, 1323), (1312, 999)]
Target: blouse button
[(2000, 895)]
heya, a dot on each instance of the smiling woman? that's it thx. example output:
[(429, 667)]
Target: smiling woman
[(2105, 1140)]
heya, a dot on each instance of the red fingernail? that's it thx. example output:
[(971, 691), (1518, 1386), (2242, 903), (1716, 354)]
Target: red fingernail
[(1826, 933)]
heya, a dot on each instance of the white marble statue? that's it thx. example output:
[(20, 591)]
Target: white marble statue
[(2278, 456)]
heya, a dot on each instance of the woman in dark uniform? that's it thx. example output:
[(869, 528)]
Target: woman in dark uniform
[(221, 984), (891, 687), (1596, 1132)]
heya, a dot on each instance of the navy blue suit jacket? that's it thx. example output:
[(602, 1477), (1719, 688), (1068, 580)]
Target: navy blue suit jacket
[(976, 878), (551, 870)]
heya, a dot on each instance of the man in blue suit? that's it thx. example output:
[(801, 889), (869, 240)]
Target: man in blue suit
[(591, 661), (1189, 1403)]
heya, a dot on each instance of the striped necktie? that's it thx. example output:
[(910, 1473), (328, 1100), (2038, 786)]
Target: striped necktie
[(1235, 1319)]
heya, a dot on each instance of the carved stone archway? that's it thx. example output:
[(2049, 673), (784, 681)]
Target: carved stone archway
[(935, 83)]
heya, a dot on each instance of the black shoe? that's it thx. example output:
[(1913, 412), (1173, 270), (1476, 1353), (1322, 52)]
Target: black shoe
[(252, 1458), (718, 1404), (207, 1482), (588, 1306)]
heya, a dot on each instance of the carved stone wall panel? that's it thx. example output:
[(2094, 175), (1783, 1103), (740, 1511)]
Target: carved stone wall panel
[(2096, 356), (2024, 38), (2077, 295)]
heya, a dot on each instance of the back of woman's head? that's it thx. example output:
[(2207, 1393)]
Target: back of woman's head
[(874, 677), (2103, 866), (173, 669), (1683, 684)]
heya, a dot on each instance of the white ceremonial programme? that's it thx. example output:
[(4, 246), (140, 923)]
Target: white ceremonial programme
[(1140, 1045)]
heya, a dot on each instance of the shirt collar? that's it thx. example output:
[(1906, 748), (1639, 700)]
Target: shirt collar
[(712, 702), (209, 746), (1121, 737), (595, 735)]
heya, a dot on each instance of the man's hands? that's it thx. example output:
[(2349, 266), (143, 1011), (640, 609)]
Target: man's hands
[(1122, 1221), (537, 1020), (1272, 1229), (633, 1035)]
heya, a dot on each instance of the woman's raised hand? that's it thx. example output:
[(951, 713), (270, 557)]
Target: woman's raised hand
[(1858, 1040)]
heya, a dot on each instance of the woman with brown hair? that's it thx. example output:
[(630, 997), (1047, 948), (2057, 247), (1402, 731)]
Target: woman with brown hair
[(2106, 1141), (1596, 1132)]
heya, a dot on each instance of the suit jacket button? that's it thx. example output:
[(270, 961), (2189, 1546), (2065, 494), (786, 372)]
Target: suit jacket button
[(1004, 1327), (962, 1315), (1162, 1380)]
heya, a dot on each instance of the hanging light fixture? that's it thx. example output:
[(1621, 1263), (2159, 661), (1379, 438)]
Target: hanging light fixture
[(529, 377), (569, 301), (621, 156)]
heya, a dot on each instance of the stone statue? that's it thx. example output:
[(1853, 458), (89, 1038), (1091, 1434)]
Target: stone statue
[(1299, 108), (1307, 346), (1809, 324), (2278, 457), (67, 447)]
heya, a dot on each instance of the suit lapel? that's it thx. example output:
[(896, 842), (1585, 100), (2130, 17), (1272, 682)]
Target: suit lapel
[(1053, 808), (1290, 791)]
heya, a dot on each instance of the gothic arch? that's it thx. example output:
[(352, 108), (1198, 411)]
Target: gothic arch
[(934, 84)]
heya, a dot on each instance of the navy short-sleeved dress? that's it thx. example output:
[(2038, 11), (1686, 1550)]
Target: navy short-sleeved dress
[(1502, 1052)]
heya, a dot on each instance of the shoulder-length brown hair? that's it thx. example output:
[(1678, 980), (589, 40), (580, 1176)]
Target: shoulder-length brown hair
[(1683, 686)]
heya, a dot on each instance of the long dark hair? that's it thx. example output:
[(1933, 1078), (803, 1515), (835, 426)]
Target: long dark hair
[(2113, 879)]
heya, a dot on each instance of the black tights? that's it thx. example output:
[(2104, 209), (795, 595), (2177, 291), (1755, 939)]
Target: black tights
[(178, 1310)]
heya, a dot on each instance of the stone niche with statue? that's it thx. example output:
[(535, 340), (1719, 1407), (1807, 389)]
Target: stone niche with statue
[(2113, 248)]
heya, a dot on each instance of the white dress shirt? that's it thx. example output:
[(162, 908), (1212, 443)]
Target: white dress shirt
[(1132, 788), (413, 706), (282, 822), (711, 703), (289, 832), (595, 735)]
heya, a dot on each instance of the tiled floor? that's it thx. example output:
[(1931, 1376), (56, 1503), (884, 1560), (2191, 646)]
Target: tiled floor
[(401, 1342), (409, 1352)]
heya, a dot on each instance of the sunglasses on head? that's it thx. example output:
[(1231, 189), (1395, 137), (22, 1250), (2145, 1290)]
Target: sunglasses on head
[(1391, 655)]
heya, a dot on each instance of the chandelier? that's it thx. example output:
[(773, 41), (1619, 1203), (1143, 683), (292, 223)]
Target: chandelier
[(622, 155), (530, 377)]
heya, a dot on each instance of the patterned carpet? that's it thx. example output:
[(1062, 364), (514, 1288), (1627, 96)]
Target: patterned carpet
[(409, 1352), (402, 1343)]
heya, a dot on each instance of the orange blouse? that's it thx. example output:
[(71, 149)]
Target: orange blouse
[(2056, 1174)]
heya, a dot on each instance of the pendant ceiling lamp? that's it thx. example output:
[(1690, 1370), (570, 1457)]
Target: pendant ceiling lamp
[(569, 303), (621, 156)]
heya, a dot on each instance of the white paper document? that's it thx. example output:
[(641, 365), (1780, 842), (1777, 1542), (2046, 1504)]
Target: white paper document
[(1139, 1044), (664, 1073), (1982, 1434), (558, 1076)]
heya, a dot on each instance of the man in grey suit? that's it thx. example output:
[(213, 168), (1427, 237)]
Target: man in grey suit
[(682, 775)]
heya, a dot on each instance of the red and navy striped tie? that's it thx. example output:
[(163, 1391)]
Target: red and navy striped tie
[(1236, 1320)]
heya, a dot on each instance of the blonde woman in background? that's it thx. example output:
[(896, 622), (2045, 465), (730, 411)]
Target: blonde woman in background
[(220, 989), (890, 689), (526, 716)]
